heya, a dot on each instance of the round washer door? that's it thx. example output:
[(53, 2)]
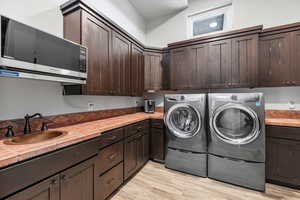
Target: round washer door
[(235, 124), (183, 120)]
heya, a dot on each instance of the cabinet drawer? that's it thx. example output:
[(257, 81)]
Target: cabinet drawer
[(109, 157), (109, 182), (111, 137), (157, 123), (290, 133), (136, 128)]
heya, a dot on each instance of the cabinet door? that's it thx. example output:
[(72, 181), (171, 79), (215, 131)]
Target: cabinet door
[(77, 183), (296, 57), (46, 190), (157, 144), (181, 72), (130, 156), (121, 65), (198, 60), (145, 148), (219, 64), (244, 61), (137, 71), (274, 60), (153, 71), (96, 36), (283, 163)]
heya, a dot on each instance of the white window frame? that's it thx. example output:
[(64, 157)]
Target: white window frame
[(226, 8)]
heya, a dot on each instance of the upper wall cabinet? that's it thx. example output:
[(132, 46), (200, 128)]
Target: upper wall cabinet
[(114, 57), (137, 71), (153, 71), (220, 61), (279, 60), (121, 65)]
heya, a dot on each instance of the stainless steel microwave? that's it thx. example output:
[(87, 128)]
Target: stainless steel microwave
[(27, 52)]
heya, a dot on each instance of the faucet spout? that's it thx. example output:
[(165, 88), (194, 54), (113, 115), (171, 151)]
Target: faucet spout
[(27, 127)]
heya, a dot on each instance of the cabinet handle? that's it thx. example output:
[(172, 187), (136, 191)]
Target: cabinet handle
[(112, 156), (54, 182), (112, 138), (63, 177), (110, 181)]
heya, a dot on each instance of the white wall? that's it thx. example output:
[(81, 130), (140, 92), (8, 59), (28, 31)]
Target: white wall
[(275, 98), (19, 97), (245, 13)]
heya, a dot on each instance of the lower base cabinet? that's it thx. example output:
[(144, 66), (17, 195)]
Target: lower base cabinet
[(109, 182), (283, 153), (76, 183), (158, 141), (46, 190)]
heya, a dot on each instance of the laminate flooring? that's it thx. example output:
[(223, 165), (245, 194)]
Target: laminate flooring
[(155, 182)]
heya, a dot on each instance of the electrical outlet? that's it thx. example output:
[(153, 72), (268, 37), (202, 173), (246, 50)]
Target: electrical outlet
[(292, 105), (91, 106)]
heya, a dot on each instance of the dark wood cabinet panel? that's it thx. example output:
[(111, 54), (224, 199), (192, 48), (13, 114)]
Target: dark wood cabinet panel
[(157, 144), (130, 156), (137, 71), (198, 63), (109, 182), (275, 61), (296, 57), (244, 61), (153, 71), (219, 64), (181, 72), (283, 151), (96, 36), (46, 190), (144, 149), (283, 161), (77, 183), (120, 65), (109, 157)]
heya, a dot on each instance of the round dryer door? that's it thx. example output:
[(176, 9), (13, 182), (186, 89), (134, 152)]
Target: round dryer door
[(183, 120), (235, 124)]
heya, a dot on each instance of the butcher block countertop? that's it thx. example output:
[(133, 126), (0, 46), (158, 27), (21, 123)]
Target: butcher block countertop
[(283, 118), (10, 154)]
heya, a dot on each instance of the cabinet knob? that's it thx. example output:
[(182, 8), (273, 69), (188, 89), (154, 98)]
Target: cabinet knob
[(63, 177), (54, 182)]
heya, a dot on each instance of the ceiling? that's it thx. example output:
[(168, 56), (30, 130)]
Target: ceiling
[(153, 9)]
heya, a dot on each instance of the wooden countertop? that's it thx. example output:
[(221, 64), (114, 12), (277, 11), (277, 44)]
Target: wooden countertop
[(10, 154), (283, 118)]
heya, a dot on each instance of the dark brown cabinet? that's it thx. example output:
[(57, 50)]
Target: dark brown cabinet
[(46, 190), (131, 156), (283, 151), (244, 70), (296, 57), (198, 62), (153, 71), (109, 182), (219, 64), (89, 31), (158, 141), (136, 148), (120, 65), (137, 71), (181, 72), (77, 183), (275, 67)]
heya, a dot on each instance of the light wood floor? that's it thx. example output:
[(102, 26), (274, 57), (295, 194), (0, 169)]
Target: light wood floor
[(155, 182)]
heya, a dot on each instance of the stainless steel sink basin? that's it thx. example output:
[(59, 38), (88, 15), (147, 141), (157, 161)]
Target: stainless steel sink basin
[(34, 137)]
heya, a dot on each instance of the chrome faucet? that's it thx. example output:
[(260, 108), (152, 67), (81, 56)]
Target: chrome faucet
[(27, 128)]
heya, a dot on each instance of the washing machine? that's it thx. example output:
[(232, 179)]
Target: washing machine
[(236, 141), (185, 120)]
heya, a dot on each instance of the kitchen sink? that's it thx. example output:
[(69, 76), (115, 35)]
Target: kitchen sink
[(34, 137)]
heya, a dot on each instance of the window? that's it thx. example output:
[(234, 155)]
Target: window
[(210, 21)]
